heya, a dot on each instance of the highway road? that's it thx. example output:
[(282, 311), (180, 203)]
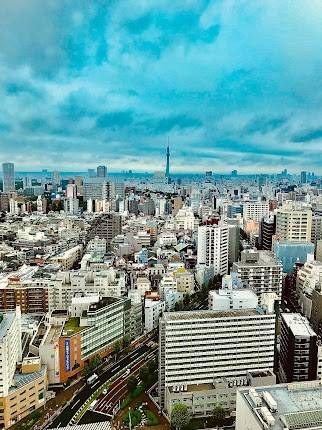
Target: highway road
[(63, 419)]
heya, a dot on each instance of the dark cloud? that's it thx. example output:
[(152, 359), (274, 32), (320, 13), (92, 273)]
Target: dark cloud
[(264, 125), (308, 135), (115, 120)]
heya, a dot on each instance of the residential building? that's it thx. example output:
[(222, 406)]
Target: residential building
[(213, 247), (294, 222), (153, 309), (298, 349), (266, 232), (255, 211), (199, 347), (260, 271)]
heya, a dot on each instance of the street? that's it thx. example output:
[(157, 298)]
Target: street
[(63, 419)]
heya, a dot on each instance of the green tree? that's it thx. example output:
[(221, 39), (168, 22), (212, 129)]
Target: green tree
[(152, 366), (87, 370), (144, 375), (180, 416), (126, 341), (132, 383), (219, 415), (117, 347)]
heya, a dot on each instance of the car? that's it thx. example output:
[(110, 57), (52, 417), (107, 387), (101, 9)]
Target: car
[(105, 391)]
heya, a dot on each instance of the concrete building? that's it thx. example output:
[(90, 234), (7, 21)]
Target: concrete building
[(307, 278), (294, 222), (266, 232), (260, 271), (255, 211), (298, 349), (234, 240), (153, 309), (224, 299), (201, 347), (106, 226), (101, 171), (213, 247), (21, 390), (8, 177), (68, 258), (280, 407)]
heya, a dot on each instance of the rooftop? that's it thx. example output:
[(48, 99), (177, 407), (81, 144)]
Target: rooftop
[(200, 314), (72, 326), (22, 379), (298, 324), (299, 405)]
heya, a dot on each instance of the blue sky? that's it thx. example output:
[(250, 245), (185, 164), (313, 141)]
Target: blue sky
[(234, 84)]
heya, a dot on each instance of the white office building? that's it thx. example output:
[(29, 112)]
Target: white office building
[(201, 347)]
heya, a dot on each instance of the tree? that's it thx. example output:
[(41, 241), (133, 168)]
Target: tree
[(219, 415), (144, 375), (117, 347), (180, 416), (132, 383), (126, 341)]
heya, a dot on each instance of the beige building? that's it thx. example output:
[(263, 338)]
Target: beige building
[(26, 395), (68, 258), (294, 222)]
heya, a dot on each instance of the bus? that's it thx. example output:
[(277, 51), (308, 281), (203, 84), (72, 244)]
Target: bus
[(92, 379)]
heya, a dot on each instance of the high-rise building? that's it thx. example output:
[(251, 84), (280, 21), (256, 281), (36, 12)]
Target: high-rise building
[(101, 171), (266, 232), (106, 227), (56, 178), (10, 348), (71, 191), (8, 177), (255, 211), (198, 348), (298, 349), (260, 271), (213, 247), (91, 173), (303, 177), (95, 188), (294, 222)]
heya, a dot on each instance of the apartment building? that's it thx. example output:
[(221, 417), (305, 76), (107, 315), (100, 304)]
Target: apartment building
[(260, 271), (68, 258), (255, 211), (306, 280), (213, 243), (294, 222), (298, 349), (197, 348), (23, 389)]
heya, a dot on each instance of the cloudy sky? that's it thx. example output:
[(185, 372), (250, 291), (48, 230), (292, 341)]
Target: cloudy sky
[(234, 84)]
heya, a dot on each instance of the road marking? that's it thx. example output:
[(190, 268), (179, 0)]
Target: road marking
[(116, 367), (59, 425), (75, 404), (98, 382), (135, 355)]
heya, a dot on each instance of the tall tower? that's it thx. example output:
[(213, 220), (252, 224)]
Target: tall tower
[(167, 170)]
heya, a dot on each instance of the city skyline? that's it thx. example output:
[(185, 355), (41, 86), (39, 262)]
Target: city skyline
[(229, 82)]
